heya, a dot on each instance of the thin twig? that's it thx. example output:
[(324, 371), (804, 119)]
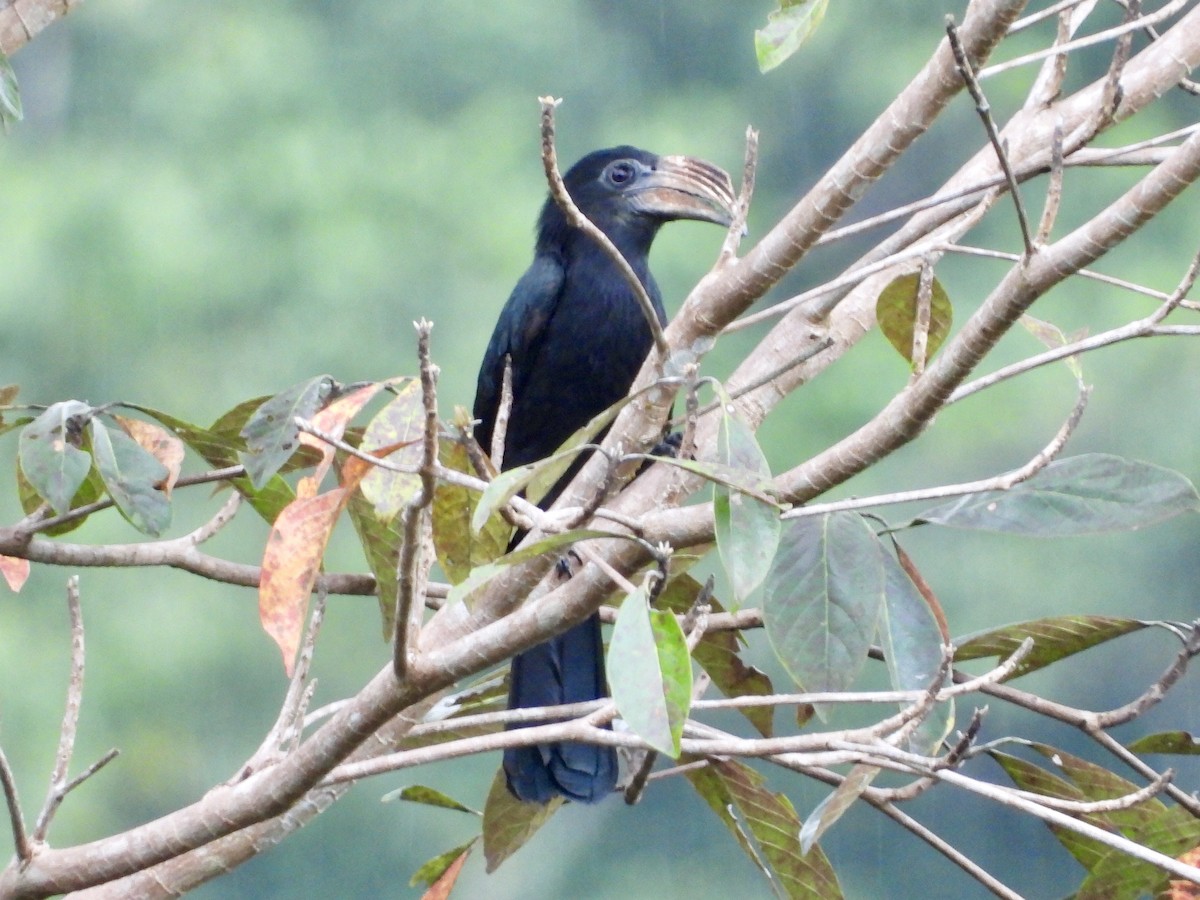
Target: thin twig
[(1145, 327), (1112, 94), (1091, 40), (1013, 800), (985, 114), (1054, 187), (70, 722), (1001, 482), (1112, 804), (291, 719), (737, 228), (920, 339), (1087, 274), (412, 570), (558, 190), (15, 818), (1043, 14), (820, 344), (503, 411)]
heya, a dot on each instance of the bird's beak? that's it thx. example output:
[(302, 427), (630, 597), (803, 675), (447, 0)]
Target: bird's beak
[(683, 187)]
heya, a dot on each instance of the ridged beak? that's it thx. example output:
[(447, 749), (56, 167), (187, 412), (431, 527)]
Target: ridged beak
[(683, 187)]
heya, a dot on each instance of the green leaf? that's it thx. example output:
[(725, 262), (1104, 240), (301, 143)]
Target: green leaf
[(747, 529), (508, 823), (511, 482), (401, 422), (1180, 742), (1098, 783), (1087, 494), (427, 796), (1173, 832), (219, 446), (1053, 337), (271, 434), (1114, 874), (896, 312), (786, 30), (1169, 830), (433, 869), (717, 653), (822, 599), (835, 804), (650, 672), (459, 548), (381, 542), (912, 645), (1053, 639), (133, 478), (711, 787), (774, 825), (49, 454), (1033, 778), (10, 95), (89, 492)]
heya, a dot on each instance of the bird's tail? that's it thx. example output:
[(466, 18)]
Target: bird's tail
[(566, 669)]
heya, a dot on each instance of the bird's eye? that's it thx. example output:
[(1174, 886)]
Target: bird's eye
[(621, 173)]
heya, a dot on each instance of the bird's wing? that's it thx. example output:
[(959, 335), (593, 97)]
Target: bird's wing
[(518, 331)]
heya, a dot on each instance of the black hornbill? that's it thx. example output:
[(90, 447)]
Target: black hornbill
[(577, 337)]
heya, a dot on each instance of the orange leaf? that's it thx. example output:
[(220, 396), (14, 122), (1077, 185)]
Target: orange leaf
[(290, 565), (332, 420), (15, 571)]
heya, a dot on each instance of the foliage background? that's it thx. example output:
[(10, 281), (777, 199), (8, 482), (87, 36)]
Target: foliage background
[(209, 202)]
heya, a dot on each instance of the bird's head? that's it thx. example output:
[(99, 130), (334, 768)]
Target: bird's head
[(629, 193)]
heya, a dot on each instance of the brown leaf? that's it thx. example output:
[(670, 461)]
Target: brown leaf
[(290, 565)]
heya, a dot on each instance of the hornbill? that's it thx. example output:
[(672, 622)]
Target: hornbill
[(576, 337)]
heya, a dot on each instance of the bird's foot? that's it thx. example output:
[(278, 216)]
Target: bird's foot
[(669, 446)]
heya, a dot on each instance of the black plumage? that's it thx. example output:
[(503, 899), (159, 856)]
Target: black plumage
[(576, 337)]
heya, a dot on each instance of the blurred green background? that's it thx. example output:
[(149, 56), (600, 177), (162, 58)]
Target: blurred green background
[(209, 202)]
